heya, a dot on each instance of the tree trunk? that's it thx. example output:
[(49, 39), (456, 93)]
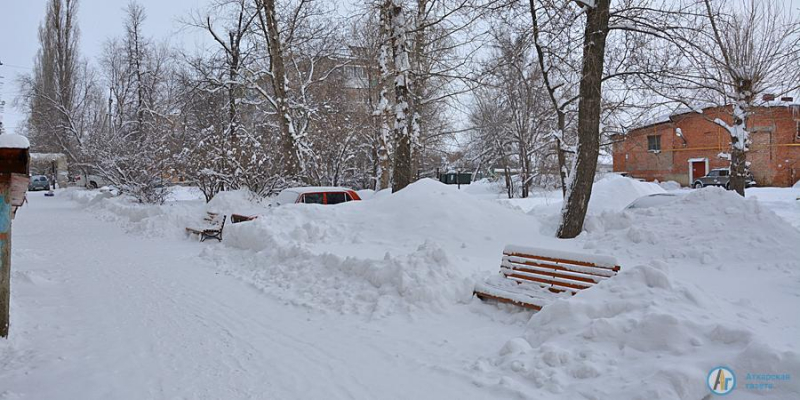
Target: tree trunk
[(738, 172), (739, 137), (579, 188), (402, 172), (291, 159), (384, 106), (562, 159)]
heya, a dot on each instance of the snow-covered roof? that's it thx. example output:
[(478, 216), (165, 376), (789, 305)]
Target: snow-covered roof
[(780, 103), (315, 189), (699, 108), (13, 141), (47, 156)]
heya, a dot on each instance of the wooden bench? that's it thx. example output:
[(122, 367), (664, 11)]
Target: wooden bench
[(532, 278), (212, 232)]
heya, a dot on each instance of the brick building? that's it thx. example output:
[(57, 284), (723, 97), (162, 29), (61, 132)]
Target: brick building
[(684, 146)]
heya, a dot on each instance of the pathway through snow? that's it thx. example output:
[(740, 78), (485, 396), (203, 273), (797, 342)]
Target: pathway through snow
[(97, 313)]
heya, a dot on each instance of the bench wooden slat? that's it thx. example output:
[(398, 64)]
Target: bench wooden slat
[(546, 280), (556, 272), (605, 273), (548, 287), (527, 280), (549, 281), (506, 300), (562, 261)]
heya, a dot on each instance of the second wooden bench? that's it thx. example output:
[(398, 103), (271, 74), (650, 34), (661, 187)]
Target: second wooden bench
[(533, 277)]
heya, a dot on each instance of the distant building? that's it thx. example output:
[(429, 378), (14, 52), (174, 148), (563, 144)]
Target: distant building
[(684, 146)]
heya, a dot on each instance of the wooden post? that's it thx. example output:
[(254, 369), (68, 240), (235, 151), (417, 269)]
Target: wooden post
[(14, 165), (5, 252)]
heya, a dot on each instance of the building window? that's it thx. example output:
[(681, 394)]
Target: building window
[(654, 143)]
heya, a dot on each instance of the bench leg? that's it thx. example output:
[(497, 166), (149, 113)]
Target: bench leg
[(215, 235)]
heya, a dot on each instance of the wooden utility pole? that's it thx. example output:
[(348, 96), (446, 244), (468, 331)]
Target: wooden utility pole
[(14, 160)]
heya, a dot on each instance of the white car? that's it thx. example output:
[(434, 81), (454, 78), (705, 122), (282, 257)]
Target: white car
[(90, 181)]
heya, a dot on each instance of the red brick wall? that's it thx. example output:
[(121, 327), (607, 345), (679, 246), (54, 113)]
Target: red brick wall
[(774, 153)]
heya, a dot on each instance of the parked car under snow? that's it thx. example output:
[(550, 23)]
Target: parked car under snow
[(654, 200), (315, 195)]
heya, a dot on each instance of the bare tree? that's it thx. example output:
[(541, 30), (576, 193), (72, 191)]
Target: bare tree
[(606, 67), (58, 94), (523, 122), (554, 50), (731, 56), (134, 150)]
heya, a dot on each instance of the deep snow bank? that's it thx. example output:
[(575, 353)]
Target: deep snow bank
[(709, 280), (610, 193), (420, 248), (135, 217), (614, 192)]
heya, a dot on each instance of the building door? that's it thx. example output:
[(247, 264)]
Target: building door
[(698, 170)]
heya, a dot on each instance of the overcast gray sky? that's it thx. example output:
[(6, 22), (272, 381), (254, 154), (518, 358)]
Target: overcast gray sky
[(98, 20)]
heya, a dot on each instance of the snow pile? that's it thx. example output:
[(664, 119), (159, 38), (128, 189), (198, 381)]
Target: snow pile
[(488, 188), (681, 305), (135, 217), (611, 193), (422, 247), (670, 185), (785, 202), (240, 201), (650, 335), (796, 185), (614, 192), (365, 194), (12, 141), (424, 279)]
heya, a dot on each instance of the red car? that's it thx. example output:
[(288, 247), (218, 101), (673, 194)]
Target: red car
[(315, 195)]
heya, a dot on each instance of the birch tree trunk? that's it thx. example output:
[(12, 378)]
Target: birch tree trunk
[(402, 172), (739, 136), (384, 106)]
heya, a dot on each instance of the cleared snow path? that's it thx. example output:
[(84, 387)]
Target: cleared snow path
[(98, 314)]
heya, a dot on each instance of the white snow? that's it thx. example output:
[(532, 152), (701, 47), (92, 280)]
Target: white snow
[(14, 141), (690, 296), (372, 299), (603, 261)]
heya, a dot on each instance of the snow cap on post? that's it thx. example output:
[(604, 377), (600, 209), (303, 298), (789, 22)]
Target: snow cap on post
[(12, 141)]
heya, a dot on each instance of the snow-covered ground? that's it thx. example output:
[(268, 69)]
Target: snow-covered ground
[(372, 299)]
